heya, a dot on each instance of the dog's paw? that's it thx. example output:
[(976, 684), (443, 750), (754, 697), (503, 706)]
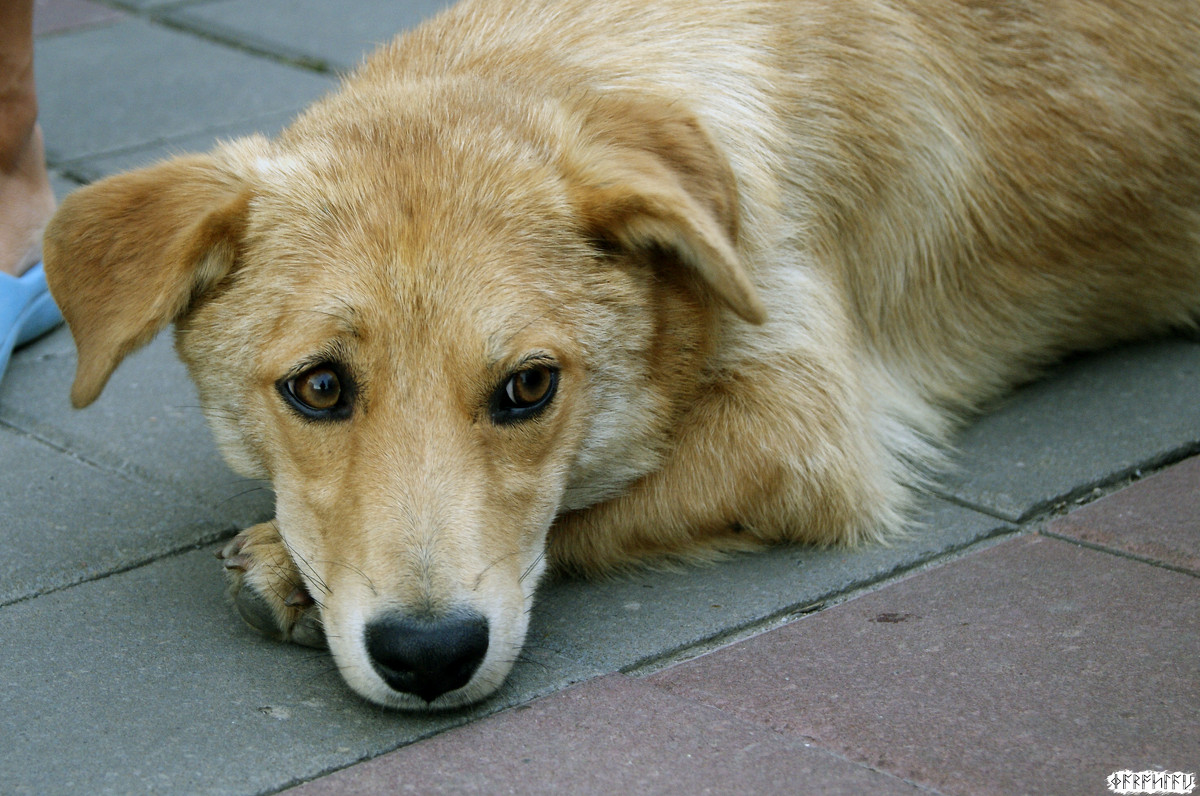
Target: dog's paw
[(267, 589)]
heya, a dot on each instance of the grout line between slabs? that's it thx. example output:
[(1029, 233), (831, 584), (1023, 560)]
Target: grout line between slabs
[(129, 472), (1034, 523), (729, 636), (175, 18), (1117, 552), (211, 537)]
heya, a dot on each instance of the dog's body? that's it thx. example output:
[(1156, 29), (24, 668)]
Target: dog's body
[(639, 278)]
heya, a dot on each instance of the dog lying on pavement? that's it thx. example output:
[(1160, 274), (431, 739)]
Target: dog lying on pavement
[(556, 283)]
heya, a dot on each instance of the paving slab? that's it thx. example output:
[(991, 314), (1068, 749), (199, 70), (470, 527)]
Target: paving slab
[(1034, 666), (66, 522), (146, 682), (317, 31), (147, 426), (62, 184), (1157, 519), (612, 735), (650, 614), (1092, 421), (143, 83), (90, 169)]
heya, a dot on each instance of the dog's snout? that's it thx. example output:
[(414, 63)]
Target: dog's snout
[(427, 656)]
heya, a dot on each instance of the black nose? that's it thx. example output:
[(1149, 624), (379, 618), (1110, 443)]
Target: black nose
[(427, 655)]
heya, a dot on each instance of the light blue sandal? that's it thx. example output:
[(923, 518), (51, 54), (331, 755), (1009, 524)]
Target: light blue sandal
[(27, 311)]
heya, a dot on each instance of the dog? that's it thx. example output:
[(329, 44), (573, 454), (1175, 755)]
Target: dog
[(557, 284)]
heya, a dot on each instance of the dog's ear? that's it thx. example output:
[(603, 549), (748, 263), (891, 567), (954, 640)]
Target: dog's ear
[(650, 178), (126, 255)]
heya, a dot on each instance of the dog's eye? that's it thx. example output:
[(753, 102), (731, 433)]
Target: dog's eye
[(319, 393), (318, 389), (529, 387), (525, 394)]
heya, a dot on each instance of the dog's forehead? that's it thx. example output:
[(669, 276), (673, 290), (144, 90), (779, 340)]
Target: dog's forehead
[(426, 203), (481, 291), (417, 232)]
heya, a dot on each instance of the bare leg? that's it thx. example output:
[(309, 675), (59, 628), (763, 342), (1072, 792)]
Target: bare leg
[(26, 198)]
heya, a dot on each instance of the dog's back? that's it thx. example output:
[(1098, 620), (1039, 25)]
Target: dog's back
[(1000, 183)]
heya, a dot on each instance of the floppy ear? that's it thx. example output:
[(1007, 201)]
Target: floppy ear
[(652, 179), (125, 256)]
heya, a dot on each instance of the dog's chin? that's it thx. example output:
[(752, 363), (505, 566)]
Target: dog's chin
[(350, 654)]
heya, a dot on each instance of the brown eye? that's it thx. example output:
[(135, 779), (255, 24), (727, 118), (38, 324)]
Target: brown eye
[(525, 394), (319, 393), (528, 387), (318, 389)]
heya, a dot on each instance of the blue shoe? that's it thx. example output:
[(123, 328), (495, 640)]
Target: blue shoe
[(27, 311)]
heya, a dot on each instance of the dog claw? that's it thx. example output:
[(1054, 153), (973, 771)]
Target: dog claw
[(240, 561), (298, 598), (232, 549), (255, 611)]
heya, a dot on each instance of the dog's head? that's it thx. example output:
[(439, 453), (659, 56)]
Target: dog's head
[(433, 328)]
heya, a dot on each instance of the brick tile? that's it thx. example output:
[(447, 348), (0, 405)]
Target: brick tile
[(1036, 666), (611, 735), (59, 16), (623, 621), (1157, 519)]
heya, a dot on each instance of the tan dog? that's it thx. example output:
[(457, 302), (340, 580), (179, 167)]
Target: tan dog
[(589, 282)]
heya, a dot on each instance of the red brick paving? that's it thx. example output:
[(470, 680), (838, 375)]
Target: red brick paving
[(59, 16), (1034, 667), (614, 735), (1158, 518)]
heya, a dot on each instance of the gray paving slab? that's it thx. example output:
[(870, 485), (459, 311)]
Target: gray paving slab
[(89, 169), (135, 83), (1092, 421), (651, 614), (615, 735), (147, 425), (145, 682), (62, 184), (335, 35), (65, 521)]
